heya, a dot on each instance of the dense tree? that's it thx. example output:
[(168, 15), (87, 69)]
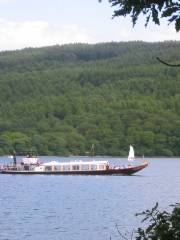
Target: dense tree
[(60, 100)]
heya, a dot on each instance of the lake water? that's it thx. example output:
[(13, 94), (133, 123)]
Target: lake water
[(83, 207)]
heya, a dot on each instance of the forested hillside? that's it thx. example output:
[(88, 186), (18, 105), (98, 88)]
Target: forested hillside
[(59, 100)]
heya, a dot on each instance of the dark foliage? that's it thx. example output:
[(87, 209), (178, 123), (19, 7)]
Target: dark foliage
[(162, 225), (152, 9)]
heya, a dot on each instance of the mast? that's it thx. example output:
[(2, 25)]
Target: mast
[(92, 150), (14, 158)]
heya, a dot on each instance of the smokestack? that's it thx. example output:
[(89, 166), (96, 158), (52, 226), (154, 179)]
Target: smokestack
[(14, 158)]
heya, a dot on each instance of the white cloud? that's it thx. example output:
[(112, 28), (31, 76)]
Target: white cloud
[(121, 30), (151, 33), (17, 35), (7, 1)]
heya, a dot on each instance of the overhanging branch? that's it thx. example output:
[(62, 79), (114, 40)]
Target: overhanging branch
[(168, 64)]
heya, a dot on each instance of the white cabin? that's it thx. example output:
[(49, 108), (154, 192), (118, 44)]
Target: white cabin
[(30, 160), (73, 166)]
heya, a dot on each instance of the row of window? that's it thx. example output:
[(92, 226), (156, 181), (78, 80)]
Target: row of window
[(75, 168)]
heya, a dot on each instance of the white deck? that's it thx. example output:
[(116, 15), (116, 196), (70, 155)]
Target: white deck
[(55, 163)]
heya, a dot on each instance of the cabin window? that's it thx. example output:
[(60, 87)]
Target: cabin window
[(26, 167), (75, 167), (57, 168), (101, 167), (66, 168), (93, 167), (48, 168), (85, 167)]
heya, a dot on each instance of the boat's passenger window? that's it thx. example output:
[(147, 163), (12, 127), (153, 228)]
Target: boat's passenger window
[(101, 167), (57, 168), (93, 167), (85, 167), (75, 167), (48, 168), (66, 168), (26, 168)]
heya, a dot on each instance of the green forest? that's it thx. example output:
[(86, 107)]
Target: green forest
[(60, 100)]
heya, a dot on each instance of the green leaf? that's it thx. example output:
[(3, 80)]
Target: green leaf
[(169, 11), (177, 24)]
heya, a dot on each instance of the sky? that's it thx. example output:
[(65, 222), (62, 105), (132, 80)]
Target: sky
[(38, 23)]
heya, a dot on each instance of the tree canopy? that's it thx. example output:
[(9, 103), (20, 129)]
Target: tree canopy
[(60, 100), (153, 10), (162, 224)]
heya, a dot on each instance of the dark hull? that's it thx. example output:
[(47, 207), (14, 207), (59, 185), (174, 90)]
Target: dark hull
[(111, 171)]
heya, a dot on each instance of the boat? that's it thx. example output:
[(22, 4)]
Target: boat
[(32, 165)]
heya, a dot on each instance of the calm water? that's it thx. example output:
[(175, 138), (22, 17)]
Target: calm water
[(83, 207)]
